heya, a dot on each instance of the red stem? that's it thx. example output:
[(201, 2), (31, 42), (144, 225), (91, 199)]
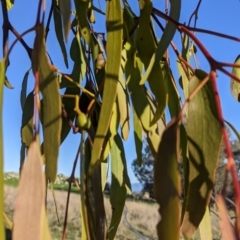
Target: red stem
[(231, 164)]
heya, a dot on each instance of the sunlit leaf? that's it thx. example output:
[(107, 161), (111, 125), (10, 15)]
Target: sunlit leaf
[(227, 230), (114, 34), (9, 4), (124, 108), (81, 9), (2, 78), (51, 104), (59, 31), (30, 199), (167, 183), (205, 229), (203, 153), (146, 46), (235, 86), (65, 7), (23, 93), (137, 93)]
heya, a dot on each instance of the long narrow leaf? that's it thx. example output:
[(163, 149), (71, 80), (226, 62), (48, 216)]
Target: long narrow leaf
[(167, 183), (114, 51), (2, 77), (51, 104)]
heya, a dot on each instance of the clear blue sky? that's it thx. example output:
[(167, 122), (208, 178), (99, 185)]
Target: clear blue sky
[(222, 16)]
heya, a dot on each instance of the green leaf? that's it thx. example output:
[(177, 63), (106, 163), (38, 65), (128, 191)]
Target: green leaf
[(137, 92), (146, 47), (27, 120), (124, 107), (137, 137), (23, 93), (118, 189), (68, 104), (2, 78), (203, 152), (205, 229), (184, 81), (59, 31), (167, 184), (235, 86), (7, 83), (114, 52), (65, 7), (9, 4), (166, 37), (81, 10), (31, 196), (51, 104), (173, 100)]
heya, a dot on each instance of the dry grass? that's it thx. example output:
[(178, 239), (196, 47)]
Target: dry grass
[(139, 220)]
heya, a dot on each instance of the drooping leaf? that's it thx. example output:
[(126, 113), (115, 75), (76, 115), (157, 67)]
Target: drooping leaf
[(173, 100), (205, 229), (203, 153), (184, 80), (227, 230), (81, 10), (27, 120), (57, 17), (68, 104), (2, 78), (7, 83), (118, 189), (124, 107), (114, 34), (166, 37), (30, 199), (51, 104), (65, 7), (23, 93), (137, 93), (167, 183), (138, 137), (235, 86), (146, 47), (77, 53)]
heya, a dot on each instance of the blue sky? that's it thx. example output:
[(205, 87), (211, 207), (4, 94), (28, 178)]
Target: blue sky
[(222, 16)]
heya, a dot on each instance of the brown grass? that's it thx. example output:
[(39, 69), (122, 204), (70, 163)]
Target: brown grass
[(139, 219)]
